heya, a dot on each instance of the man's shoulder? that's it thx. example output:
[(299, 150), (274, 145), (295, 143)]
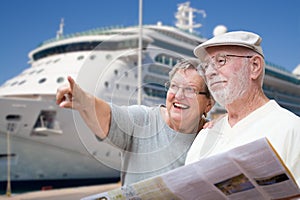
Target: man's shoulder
[(284, 112)]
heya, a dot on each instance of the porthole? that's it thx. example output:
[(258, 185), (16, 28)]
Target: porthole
[(106, 84), (40, 71), (108, 56), (92, 57), (42, 80), (116, 72), (80, 57), (14, 83), (22, 82), (60, 79), (55, 61), (41, 175)]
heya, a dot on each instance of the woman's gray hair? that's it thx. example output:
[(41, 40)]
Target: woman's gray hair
[(191, 63), (184, 64)]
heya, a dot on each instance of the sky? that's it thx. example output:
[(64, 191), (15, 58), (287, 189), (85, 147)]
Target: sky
[(27, 23)]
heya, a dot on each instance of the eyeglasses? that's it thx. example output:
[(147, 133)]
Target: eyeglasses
[(218, 61), (188, 91)]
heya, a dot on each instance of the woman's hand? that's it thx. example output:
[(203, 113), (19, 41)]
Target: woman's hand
[(72, 96)]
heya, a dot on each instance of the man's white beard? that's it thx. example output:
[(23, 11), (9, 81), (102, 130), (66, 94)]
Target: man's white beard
[(236, 86)]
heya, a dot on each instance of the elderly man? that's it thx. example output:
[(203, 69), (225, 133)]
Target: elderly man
[(233, 67)]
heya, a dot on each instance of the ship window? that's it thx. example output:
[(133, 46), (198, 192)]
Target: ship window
[(148, 79), (88, 46), (60, 80), (40, 71), (117, 86), (32, 72), (163, 58), (127, 87), (174, 62), (108, 56), (41, 175), (176, 48), (155, 90), (55, 61), (171, 62), (80, 57), (13, 117), (116, 72), (81, 46), (166, 59), (106, 84), (14, 83), (42, 80), (159, 69), (126, 74), (22, 82), (121, 45), (126, 44), (92, 57), (4, 159), (158, 59)]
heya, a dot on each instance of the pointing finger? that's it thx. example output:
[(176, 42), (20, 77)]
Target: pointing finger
[(72, 82)]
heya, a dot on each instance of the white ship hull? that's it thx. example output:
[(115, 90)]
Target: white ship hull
[(44, 156)]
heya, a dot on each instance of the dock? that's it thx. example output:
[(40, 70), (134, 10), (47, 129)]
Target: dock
[(75, 193)]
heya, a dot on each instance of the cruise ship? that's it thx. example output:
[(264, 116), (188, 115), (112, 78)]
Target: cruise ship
[(42, 145)]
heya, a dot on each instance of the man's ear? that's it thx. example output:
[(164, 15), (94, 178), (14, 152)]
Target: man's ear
[(209, 105), (256, 66)]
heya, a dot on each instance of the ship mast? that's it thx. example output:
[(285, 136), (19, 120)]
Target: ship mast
[(60, 32), (139, 97), (185, 17)]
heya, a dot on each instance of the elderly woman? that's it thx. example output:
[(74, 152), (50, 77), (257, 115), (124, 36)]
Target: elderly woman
[(152, 140)]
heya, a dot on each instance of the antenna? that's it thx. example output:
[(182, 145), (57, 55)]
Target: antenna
[(185, 17), (60, 32)]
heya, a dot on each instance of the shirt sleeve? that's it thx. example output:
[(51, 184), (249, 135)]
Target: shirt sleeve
[(125, 120)]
